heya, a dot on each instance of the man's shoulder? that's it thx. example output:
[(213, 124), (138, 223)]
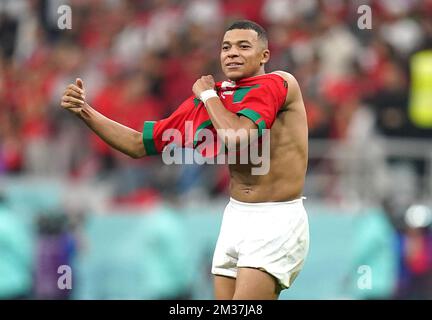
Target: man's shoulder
[(293, 85), (284, 75)]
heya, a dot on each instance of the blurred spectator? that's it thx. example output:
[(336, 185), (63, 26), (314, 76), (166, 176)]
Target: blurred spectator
[(390, 102), (415, 242), (16, 263), (8, 30), (374, 257), (55, 248), (206, 14)]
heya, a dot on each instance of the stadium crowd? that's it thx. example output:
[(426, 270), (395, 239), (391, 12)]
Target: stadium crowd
[(139, 60)]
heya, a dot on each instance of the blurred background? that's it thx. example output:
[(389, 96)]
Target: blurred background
[(138, 229)]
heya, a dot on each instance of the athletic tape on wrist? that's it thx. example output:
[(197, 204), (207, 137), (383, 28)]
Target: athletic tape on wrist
[(207, 94)]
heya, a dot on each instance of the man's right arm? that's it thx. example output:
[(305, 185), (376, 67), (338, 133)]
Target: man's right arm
[(118, 136)]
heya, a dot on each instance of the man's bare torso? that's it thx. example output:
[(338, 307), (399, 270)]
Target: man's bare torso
[(288, 156)]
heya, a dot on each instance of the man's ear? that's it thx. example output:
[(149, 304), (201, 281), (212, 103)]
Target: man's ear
[(265, 56)]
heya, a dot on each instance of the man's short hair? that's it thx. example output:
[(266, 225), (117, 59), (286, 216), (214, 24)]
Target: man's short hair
[(250, 25)]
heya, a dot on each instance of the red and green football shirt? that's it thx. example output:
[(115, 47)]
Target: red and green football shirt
[(258, 98)]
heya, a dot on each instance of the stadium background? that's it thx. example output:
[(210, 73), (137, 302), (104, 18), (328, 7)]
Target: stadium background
[(138, 229)]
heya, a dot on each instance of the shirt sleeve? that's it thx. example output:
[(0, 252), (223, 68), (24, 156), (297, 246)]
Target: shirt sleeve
[(157, 135), (262, 102)]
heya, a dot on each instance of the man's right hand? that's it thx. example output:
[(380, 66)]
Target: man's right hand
[(74, 97)]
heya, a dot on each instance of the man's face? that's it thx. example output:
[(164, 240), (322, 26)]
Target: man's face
[(243, 54)]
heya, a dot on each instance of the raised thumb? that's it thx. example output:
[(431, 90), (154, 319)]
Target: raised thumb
[(79, 83)]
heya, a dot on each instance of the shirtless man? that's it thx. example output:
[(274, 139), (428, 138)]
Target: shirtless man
[(264, 237)]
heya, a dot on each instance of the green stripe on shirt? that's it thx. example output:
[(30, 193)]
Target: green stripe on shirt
[(203, 125), (241, 92), (148, 140), (255, 117)]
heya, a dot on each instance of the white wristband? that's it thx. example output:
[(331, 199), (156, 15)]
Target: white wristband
[(207, 94)]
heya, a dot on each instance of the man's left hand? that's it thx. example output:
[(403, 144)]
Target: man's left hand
[(202, 84)]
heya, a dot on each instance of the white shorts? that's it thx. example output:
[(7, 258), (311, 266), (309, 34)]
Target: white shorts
[(271, 236)]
